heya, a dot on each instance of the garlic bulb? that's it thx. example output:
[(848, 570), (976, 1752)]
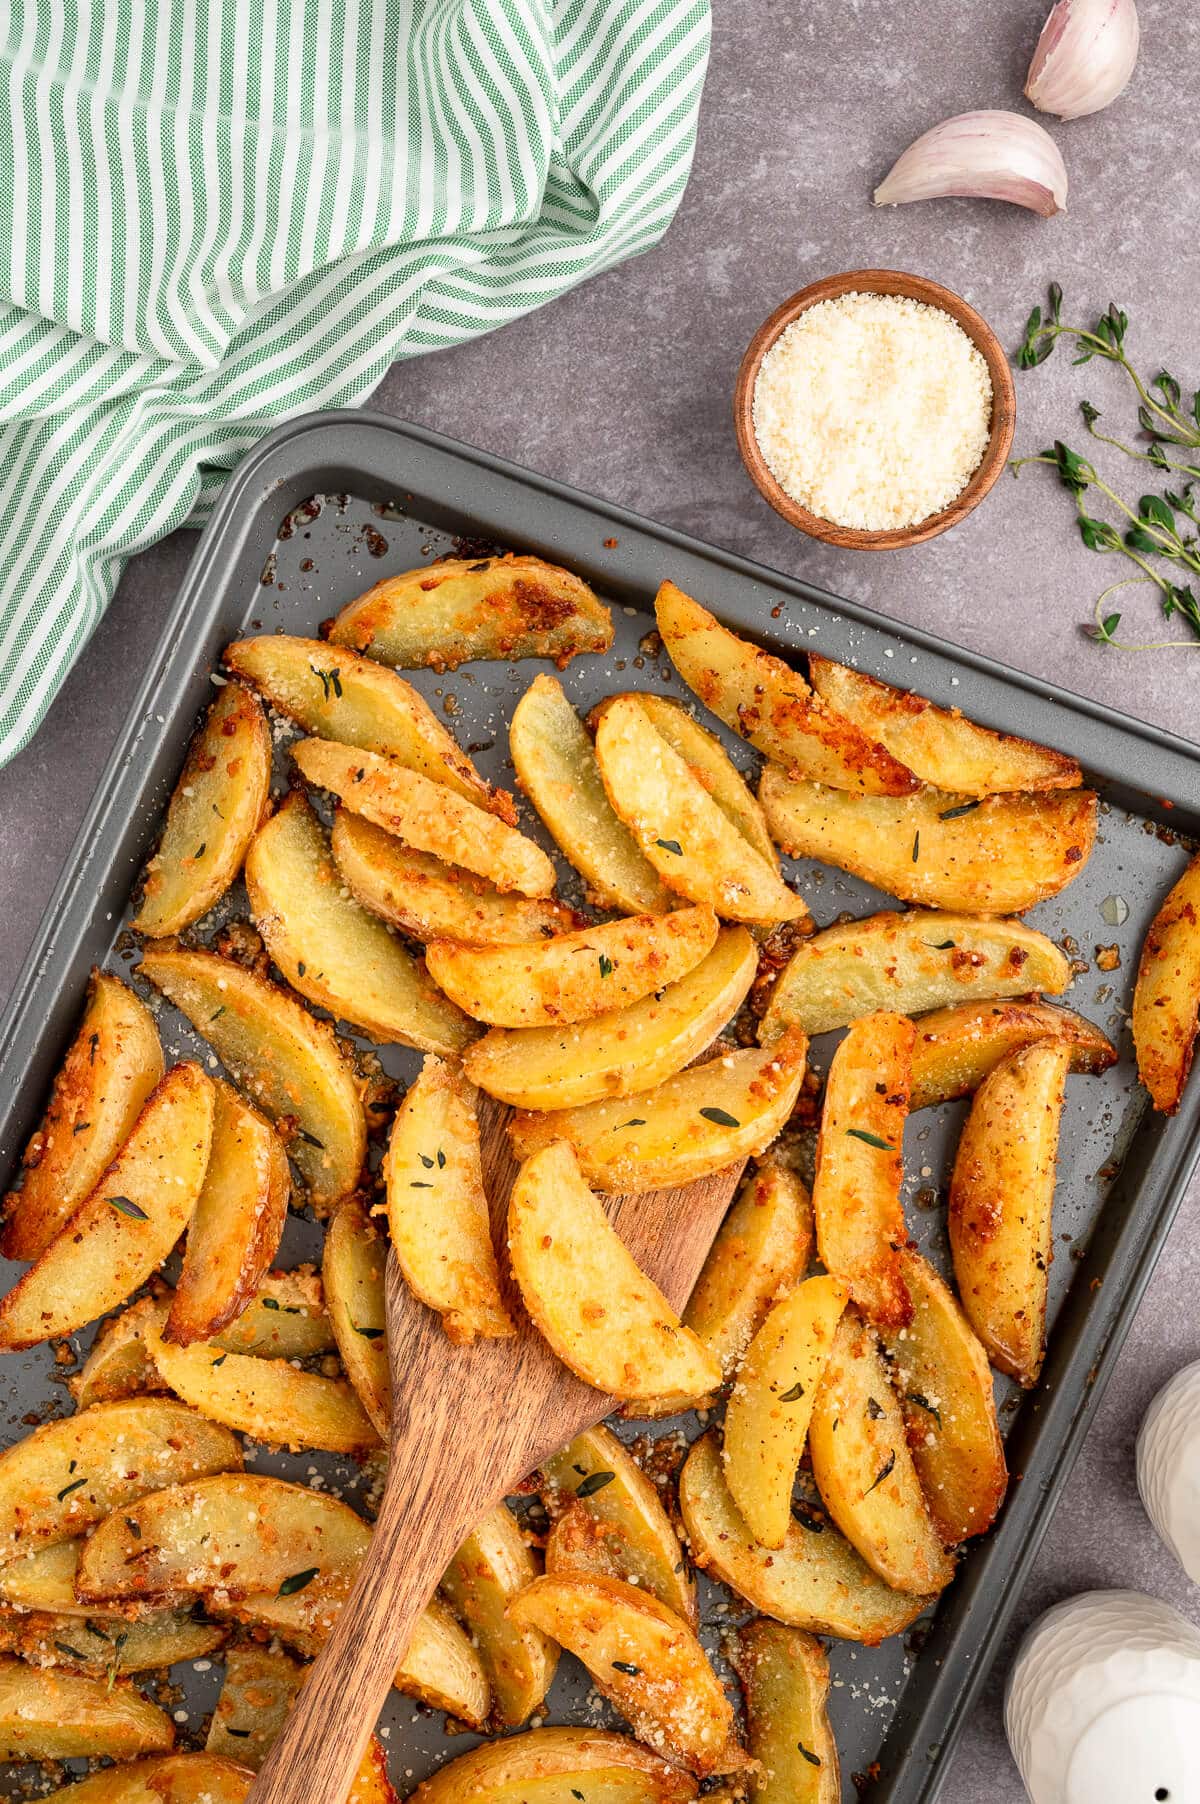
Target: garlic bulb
[(1084, 56), (987, 155)]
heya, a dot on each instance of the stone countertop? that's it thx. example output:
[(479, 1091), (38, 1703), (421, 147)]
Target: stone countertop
[(624, 387)]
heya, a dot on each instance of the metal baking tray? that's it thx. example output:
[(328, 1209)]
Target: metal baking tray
[(392, 496)]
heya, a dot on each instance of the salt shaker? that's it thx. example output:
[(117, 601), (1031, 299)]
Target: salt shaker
[(1103, 1703), (1168, 1467)]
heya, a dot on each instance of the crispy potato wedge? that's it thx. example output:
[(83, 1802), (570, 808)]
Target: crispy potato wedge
[(218, 802), (864, 1470), (545, 1766), (457, 609), (1001, 1204), (909, 963), (708, 760), (341, 696), (645, 1659), (956, 1047), (429, 900), (1166, 997), (625, 1050), (490, 1568), (945, 1388), (118, 1364), (44, 1580), (766, 1423), (111, 1067), (991, 856), (333, 950), (48, 1715), (770, 704), (177, 1779), (437, 1210), (292, 1065), (608, 1519), (444, 1670), (556, 766), (353, 1274), (695, 1123), (260, 1687), (107, 1645), (124, 1230), (427, 816), (586, 1293), (237, 1223), (860, 1165), (371, 1783), (785, 1681), (939, 745), (688, 838), (574, 976)]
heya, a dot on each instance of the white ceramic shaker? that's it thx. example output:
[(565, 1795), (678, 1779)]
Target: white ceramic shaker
[(1103, 1703), (1168, 1467)]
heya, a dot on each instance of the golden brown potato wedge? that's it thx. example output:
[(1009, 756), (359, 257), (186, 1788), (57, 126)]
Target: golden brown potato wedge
[(456, 609), (47, 1715), (785, 1681), (864, 1470), (292, 1065), (490, 1568), (770, 704), (235, 1228), (45, 1581), (986, 856), (427, 816), (1001, 1203), (218, 802), (860, 1165), (574, 976), (104, 1645), (111, 1067), (547, 1766), (333, 950), (177, 1779), (695, 1123), (939, 745), (353, 1274), (624, 1051), (437, 1209), (556, 767), (124, 1230), (766, 1422), (443, 1669), (688, 838), (259, 1689), (942, 1377), (956, 1047), (708, 760), (371, 1783), (909, 963), (645, 1659), (1166, 998), (118, 1364)]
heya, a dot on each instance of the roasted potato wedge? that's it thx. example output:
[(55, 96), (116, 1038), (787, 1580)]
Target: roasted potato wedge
[(111, 1067), (993, 855), (118, 1364), (956, 1047), (109, 1644), (708, 760), (785, 1681), (44, 1581), (124, 1230), (237, 1223), (624, 1051), (556, 767), (546, 1766), (1001, 1203), (574, 976), (353, 1274), (427, 816), (864, 1470), (437, 1210), (48, 1715), (457, 609), (292, 1065), (218, 802), (766, 1423), (332, 949), (940, 745), (645, 1659), (909, 963), (770, 704), (443, 1669), (341, 696), (941, 1375), (490, 1568), (1166, 998), (177, 1779), (260, 1687), (688, 838), (697, 1122), (860, 1165)]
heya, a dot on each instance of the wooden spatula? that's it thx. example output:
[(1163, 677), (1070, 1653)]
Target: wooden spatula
[(468, 1423)]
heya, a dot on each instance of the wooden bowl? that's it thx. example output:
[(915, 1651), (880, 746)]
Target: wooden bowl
[(917, 288)]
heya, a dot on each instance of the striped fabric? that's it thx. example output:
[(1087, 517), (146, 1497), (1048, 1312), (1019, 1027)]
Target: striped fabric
[(215, 214)]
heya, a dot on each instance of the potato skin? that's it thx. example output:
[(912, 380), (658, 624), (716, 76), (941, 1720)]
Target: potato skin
[(1166, 998)]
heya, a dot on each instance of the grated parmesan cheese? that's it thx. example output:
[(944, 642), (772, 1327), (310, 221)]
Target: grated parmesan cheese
[(873, 410)]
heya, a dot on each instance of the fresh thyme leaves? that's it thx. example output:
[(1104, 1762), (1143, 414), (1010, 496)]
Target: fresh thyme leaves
[(311, 1139), (298, 1581), (939, 945), (923, 1403), (885, 1146), (441, 1158), (419, 1184), (626, 1666), (241, 1734), (670, 845), (369, 1333), (123, 1206), (595, 1481), (606, 965), (330, 680), (134, 1527), (883, 1472), (72, 1653), (916, 851), (634, 1121), (813, 1759), (793, 1395), (952, 814), (67, 1489), (220, 1360), (269, 1303), (426, 1161), (721, 1117)]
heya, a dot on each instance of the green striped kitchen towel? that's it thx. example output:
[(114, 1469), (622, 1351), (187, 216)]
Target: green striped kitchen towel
[(218, 213)]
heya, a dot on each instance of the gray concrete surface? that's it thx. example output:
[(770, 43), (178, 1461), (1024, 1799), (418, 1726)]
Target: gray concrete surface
[(624, 388)]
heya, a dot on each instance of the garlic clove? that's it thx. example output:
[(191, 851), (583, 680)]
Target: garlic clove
[(990, 155), (1084, 57)]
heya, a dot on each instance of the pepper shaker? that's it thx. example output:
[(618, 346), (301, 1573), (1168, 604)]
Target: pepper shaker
[(1168, 1467)]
